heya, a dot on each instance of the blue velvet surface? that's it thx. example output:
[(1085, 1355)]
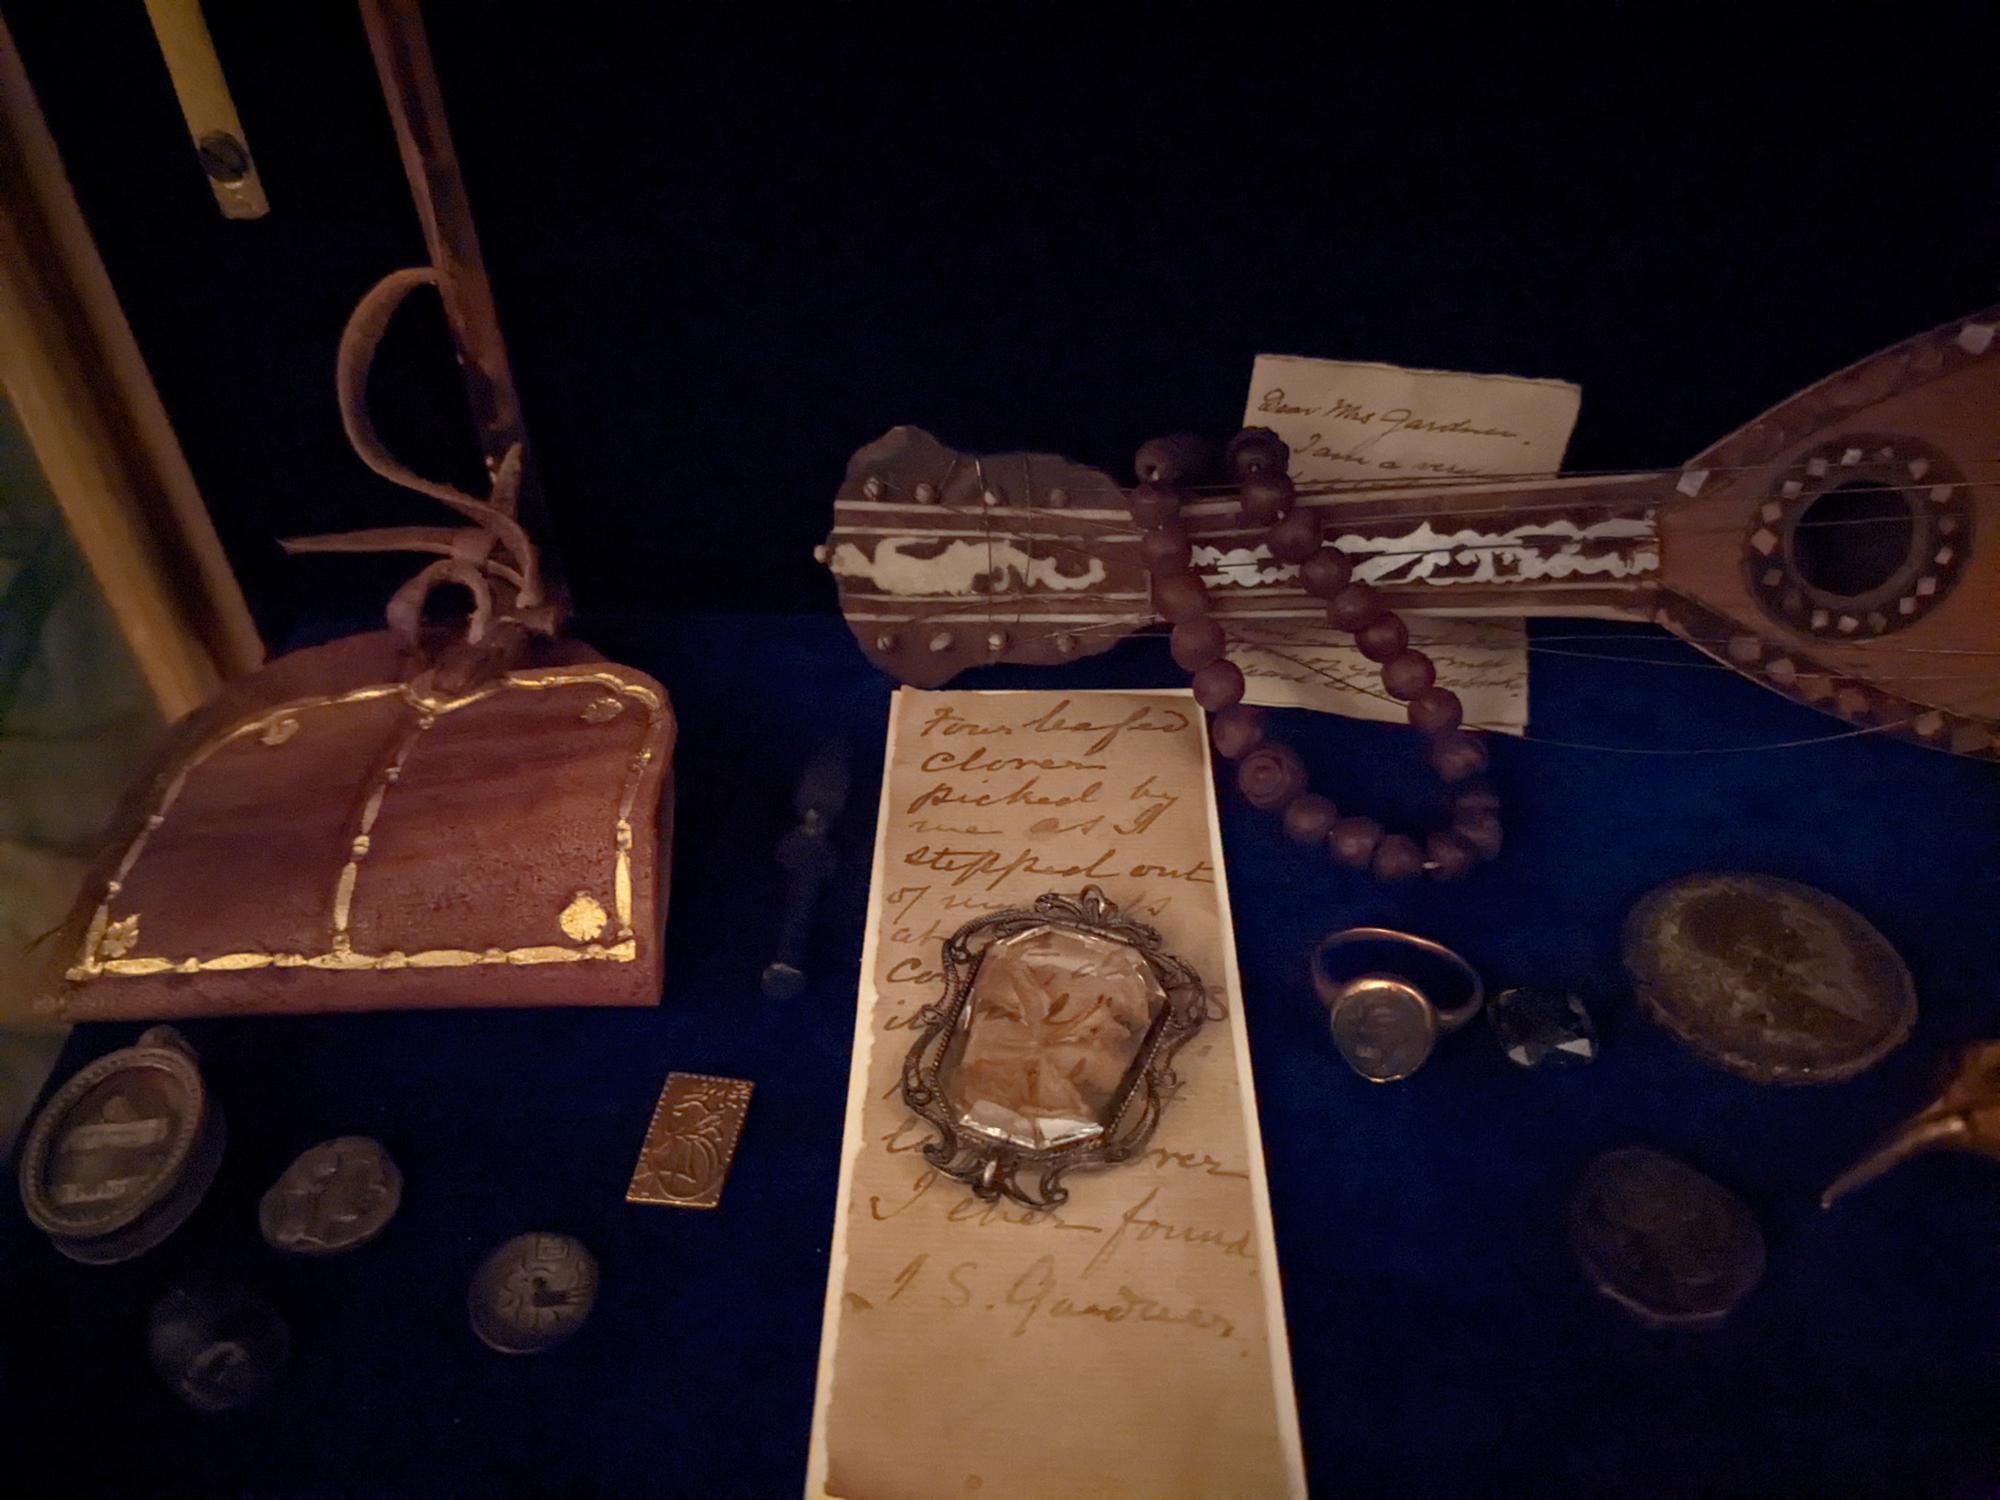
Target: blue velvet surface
[(1443, 1342)]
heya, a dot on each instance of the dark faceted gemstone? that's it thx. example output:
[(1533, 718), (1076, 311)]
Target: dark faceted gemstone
[(1537, 1025)]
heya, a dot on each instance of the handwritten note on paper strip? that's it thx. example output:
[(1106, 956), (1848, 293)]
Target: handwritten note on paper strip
[(1387, 425), (1132, 1342)]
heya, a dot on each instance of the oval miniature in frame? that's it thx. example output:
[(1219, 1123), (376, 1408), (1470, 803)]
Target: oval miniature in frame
[(1052, 1046)]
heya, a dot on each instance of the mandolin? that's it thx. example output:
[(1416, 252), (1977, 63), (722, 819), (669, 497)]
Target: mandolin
[(1828, 550)]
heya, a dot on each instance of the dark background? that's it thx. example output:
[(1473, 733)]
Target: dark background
[(730, 246)]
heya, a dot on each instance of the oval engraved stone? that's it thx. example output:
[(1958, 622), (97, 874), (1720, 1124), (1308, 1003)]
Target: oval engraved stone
[(1055, 1024), (337, 1196), (1384, 1028), (533, 1292), (1773, 980), (1672, 1247)]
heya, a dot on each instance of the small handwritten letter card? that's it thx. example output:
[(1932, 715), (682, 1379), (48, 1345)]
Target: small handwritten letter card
[(1129, 1345)]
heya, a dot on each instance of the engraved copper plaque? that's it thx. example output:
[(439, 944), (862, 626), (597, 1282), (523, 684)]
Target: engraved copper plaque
[(691, 1142)]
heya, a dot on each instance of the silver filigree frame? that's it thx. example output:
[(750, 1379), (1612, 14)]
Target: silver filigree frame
[(993, 1168)]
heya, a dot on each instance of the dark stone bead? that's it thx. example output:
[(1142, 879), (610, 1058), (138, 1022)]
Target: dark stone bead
[(1166, 550), (1256, 450), (1353, 607), (1436, 710), (1308, 818), (1542, 1026), (1180, 596), (1265, 498), (1409, 674), (1218, 685), (1235, 732), (1197, 642), (1398, 860), (1180, 458), (1456, 755), (1154, 506), (1382, 638), (1352, 841), (1480, 832), (1447, 857), (1270, 776), (1326, 572), (1295, 538)]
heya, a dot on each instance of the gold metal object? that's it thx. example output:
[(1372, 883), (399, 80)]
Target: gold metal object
[(1965, 1117), (210, 112), (1381, 989), (691, 1141), (1052, 1047), (106, 949)]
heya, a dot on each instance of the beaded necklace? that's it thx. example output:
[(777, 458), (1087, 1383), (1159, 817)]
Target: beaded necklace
[(1269, 773)]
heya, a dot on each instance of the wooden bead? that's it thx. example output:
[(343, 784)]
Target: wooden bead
[(1456, 756), (1256, 450), (1382, 638), (1180, 596), (1180, 458), (1218, 685), (1353, 607), (1409, 674), (1307, 818), (1326, 572), (1295, 538), (1266, 498), (1398, 859), (1474, 800), (1166, 550), (1436, 710), (1270, 776), (1153, 506), (1352, 841), (1235, 732), (1447, 857), (1197, 642), (1480, 832)]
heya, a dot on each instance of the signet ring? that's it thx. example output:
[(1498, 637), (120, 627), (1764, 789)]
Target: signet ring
[(1389, 997)]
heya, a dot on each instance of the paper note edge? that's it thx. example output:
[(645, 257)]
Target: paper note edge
[(1277, 1332), (1555, 381), (817, 1461)]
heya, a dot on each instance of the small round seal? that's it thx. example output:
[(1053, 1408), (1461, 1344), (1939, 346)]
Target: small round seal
[(1672, 1247), (532, 1292), (1384, 1028), (337, 1196)]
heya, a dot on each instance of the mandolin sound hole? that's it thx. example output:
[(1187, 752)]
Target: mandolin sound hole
[(1854, 541)]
